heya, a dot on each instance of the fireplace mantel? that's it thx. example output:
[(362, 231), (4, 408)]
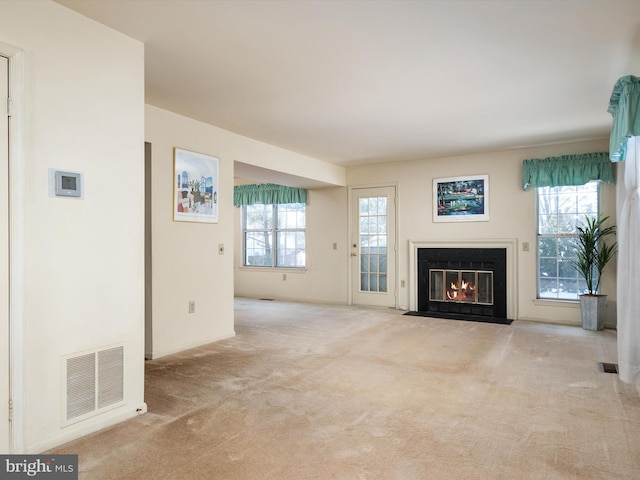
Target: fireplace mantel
[(510, 244)]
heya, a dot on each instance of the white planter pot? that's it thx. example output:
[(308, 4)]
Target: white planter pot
[(592, 311)]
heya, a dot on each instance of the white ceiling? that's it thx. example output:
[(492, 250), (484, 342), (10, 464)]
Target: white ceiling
[(356, 82)]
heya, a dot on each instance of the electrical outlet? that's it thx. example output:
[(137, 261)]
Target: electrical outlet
[(284, 276), (192, 306), (335, 245), (402, 284)]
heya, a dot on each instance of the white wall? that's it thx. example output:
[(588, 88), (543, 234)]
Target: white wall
[(512, 215), (186, 265), (82, 260), (325, 277), (279, 161)]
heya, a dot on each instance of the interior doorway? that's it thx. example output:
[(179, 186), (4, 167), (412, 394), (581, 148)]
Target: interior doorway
[(373, 246)]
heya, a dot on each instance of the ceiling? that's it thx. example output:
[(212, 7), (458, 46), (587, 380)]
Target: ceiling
[(358, 82)]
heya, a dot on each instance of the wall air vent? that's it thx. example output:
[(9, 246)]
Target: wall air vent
[(94, 383), (81, 385)]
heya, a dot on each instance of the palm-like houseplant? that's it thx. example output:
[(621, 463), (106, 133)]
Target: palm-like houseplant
[(593, 253)]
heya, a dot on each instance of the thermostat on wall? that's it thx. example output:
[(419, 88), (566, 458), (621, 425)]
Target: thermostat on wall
[(66, 184)]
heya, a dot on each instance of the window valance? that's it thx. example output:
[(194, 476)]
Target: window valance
[(267, 194), (567, 170), (624, 105)]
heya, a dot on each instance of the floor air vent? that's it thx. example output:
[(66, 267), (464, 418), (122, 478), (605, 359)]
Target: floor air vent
[(609, 367), (95, 382)]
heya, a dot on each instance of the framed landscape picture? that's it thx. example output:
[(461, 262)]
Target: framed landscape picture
[(195, 187), (461, 199)]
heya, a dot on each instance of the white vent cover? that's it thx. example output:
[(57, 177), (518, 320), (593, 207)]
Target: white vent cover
[(81, 385), (95, 382)]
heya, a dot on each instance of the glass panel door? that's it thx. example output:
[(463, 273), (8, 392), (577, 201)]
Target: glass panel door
[(373, 246)]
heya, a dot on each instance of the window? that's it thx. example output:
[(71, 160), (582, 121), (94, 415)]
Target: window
[(274, 235), (374, 237), (560, 211)]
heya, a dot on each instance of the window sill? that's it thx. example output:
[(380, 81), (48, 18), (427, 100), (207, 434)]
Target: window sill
[(273, 269), (546, 302)]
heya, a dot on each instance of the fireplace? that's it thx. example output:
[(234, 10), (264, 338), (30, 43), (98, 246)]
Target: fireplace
[(462, 283)]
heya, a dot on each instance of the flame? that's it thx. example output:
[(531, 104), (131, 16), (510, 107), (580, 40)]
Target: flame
[(462, 292)]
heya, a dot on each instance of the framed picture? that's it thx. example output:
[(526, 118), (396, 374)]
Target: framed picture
[(461, 199), (195, 187)]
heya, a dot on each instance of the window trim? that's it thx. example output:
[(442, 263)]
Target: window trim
[(274, 230), (538, 299)]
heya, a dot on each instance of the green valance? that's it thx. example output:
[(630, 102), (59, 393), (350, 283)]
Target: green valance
[(267, 194), (567, 170), (625, 108)]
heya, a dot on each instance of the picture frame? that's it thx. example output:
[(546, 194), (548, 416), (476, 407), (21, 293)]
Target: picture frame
[(461, 199), (195, 187)]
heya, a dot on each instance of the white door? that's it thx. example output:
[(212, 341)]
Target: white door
[(4, 256), (373, 246)]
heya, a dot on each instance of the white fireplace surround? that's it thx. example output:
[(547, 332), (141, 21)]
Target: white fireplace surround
[(510, 244)]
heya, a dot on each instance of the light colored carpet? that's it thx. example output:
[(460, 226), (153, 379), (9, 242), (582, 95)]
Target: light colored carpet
[(337, 392)]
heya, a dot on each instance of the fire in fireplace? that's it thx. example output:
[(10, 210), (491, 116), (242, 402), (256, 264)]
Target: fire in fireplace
[(464, 283), (468, 286)]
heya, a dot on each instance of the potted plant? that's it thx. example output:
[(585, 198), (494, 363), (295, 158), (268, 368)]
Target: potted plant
[(592, 255)]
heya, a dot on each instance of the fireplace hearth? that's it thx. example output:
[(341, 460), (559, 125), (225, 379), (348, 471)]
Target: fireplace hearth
[(462, 283)]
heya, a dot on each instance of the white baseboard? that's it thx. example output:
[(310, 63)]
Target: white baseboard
[(81, 429), (186, 346)]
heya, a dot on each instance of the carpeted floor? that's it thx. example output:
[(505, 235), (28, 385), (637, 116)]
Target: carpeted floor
[(335, 392)]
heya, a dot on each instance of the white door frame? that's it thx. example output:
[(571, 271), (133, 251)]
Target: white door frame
[(350, 235), (17, 254), (5, 425)]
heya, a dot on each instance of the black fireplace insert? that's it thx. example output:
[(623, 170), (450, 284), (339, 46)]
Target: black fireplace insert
[(463, 283)]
